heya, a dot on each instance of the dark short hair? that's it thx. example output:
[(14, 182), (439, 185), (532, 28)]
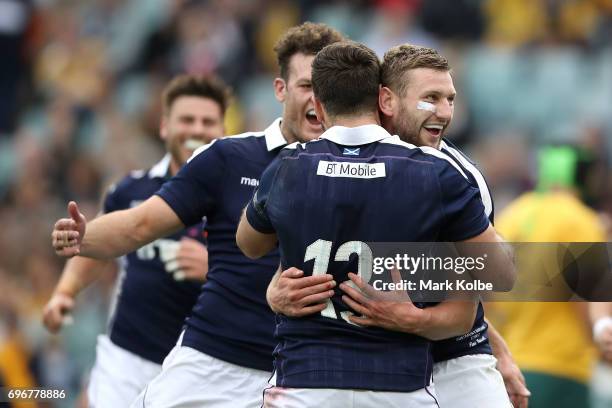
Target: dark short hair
[(346, 78), (402, 58), (205, 86), (307, 38)]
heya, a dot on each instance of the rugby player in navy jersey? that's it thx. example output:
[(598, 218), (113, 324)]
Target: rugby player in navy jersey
[(464, 373), (327, 198), (160, 282), (413, 79), (224, 356)]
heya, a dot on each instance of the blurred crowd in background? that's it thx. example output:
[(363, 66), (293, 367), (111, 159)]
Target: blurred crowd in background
[(80, 89)]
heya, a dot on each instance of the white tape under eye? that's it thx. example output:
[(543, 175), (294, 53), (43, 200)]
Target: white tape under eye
[(422, 105)]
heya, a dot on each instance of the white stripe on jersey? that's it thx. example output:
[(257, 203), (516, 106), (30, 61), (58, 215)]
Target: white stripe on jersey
[(272, 134), (482, 184), (238, 136), (200, 150), (395, 140)]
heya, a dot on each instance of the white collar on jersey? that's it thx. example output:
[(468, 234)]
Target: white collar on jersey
[(161, 168), (274, 137), (355, 136)]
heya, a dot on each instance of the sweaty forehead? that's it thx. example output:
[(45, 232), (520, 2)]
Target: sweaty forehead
[(422, 80)]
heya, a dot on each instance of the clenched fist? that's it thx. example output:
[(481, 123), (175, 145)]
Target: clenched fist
[(57, 312)]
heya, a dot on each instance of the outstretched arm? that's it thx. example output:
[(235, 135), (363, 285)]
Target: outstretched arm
[(114, 234)]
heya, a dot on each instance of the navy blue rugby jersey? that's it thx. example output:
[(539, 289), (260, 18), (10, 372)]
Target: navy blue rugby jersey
[(476, 341), (231, 319), (325, 201), (150, 306)]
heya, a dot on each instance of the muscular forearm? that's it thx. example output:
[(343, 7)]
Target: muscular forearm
[(499, 266), (503, 253), (449, 319), (112, 235), (122, 232), (79, 273)]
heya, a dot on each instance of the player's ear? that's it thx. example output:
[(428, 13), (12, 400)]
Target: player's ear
[(318, 108), (163, 127), (280, 89), (386, 101)]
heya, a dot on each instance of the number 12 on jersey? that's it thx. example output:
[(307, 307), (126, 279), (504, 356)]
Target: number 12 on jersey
[(320, 252)]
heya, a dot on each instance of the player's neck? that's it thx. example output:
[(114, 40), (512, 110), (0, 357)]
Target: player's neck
[(174, 167), (354, 120)]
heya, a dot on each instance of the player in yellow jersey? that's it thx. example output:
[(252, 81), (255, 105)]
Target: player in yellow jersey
[(551, 341)]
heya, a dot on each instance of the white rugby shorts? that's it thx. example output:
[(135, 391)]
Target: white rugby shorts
[(279, 397), (118, 375), (470, 382), (192, 379)]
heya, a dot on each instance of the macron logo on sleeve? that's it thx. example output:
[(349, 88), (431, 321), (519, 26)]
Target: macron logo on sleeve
[(245, 181), (351, 170)]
